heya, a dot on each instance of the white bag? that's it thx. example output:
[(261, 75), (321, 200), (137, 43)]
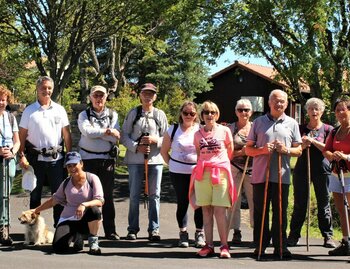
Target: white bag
[(28, 179)]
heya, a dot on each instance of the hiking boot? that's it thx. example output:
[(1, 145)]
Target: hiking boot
[(292, 241), (131, 236), (342, 250), (94, 247), (199, 239), (206, 251), (224, 252), (328, 243), (154, 236), (112, 236), (183, 241), (237, 237), (78, 242), (286, 254)]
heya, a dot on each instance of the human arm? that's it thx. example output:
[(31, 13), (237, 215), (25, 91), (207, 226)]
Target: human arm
[(23, 162), (46, 205), (164, 150), (67, 138), (252, 151), (294, 151)]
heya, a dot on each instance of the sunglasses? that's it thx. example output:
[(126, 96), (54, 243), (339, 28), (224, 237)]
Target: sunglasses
[(240, 110), (207, 112), (192, 114), (98, 96)]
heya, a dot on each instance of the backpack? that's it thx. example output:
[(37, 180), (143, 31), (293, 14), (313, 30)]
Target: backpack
[(110, 114), (11, 120), (176, 125), (139, 115), (88, 178)]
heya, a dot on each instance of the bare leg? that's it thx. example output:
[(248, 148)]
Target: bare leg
[(208, 222), (94, 226), (221, 222)]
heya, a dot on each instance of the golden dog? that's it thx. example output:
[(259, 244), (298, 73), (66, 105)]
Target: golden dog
[(36, 230)]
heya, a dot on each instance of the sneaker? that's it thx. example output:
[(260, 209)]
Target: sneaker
[(237, 237), (206, 251), (78, 242), (224, 252), (286, 254), (199, 239), (328, 243), (292, 241), (342, 250), (94, 247), (154, 236), (183, 241), (131, 236), (112, 236), (5, 238)]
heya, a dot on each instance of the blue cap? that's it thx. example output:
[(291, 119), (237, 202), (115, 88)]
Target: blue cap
[(72, 157)]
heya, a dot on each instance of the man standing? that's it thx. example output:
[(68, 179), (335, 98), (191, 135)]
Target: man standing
[(272, 135), (142, 135), (99, 134), (44, 127)]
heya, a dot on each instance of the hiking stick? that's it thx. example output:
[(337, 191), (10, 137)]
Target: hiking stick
[(346, 202), (238, 193), (264, 205), (280, 201), (6, 198), (308, 198), (146, 181)]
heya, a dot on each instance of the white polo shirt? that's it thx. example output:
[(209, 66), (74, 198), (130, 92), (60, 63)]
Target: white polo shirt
[(44, 126)]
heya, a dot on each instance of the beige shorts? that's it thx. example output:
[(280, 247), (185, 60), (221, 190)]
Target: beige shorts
[(209, 194)]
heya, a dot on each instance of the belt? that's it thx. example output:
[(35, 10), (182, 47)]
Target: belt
[(93, 152)]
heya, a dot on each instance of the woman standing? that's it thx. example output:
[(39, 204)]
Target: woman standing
[(181, 161), (211, 178), (240, 131), (81, 194), (337, 151), (314, 135), (9, 146)]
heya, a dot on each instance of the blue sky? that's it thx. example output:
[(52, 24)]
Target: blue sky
[(229, 57)]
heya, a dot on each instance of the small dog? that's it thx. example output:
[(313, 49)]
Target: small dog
[(36, 230)]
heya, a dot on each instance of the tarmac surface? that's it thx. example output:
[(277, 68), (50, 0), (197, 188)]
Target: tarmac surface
[(144, 254)]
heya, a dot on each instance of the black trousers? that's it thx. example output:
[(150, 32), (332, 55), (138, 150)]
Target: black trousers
[(320, 182), (104, 169), (273, 199), (66, 231), (181, 183)]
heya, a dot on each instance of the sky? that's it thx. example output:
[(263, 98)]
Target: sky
[(229, 57)]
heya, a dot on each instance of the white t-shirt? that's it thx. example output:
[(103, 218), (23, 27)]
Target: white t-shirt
[(182, 150), (44, 126)]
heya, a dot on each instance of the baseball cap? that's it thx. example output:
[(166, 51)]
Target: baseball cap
[(149, 87), (72, 157), (98, 88)]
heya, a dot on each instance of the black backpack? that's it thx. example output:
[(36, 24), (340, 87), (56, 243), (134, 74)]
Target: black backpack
[(139, 115)]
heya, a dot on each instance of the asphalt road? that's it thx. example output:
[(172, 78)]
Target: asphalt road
[(144, 254)]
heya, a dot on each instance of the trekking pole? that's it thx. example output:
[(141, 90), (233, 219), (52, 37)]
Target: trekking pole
[(238, 193), (264, 205), (6, 204), (146, 181), (308, 198), (280, 202), (342, 165)]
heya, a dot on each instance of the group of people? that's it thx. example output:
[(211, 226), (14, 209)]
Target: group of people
[(210, 165)]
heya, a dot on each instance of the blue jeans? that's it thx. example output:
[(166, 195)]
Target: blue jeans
[(136, 176), (4, 203)]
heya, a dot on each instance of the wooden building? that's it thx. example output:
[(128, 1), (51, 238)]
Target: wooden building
[(245, 80)]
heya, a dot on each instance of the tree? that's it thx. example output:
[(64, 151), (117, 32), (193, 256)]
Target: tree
[(303, 40), (59, 31)]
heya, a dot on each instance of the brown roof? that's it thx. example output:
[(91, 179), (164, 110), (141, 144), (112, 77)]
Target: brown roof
[(266, 72)]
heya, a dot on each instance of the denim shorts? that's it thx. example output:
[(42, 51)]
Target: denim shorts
[(336, 186)]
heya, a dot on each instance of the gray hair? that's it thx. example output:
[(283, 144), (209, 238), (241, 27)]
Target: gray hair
[(278, 91), (315, 102), (242, 102), (42, 79)]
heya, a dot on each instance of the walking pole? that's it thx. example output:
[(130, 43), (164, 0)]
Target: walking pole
[(342, 165), (6, 204), (146, 181), (308, 198), (238, 193), (264, 205), (280, 201)]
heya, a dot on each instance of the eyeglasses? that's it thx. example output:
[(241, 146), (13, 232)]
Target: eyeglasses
[(192, 114), (98, 96), (207, 112), (240, 110)]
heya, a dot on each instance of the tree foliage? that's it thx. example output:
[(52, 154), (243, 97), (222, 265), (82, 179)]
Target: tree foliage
[(304, 41)]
